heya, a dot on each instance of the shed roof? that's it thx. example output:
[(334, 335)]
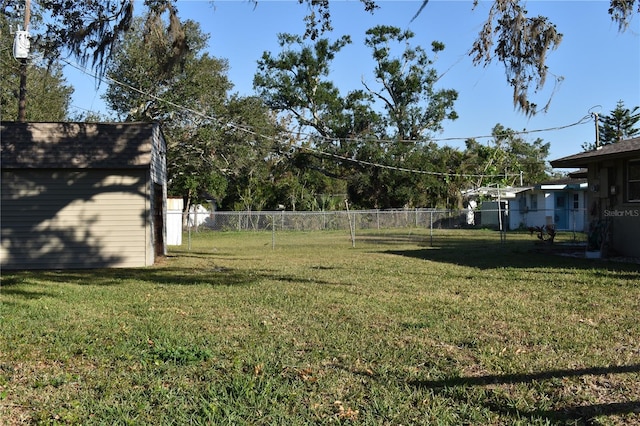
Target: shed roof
[(622, 149), (76, 145)]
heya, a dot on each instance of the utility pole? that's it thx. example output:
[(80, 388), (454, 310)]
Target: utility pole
[(22, 37), (595, 118)]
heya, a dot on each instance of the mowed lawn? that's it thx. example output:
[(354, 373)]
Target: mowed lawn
[(314, 331)]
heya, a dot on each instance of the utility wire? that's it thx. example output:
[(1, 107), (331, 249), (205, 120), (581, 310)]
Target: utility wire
[(250, 131)]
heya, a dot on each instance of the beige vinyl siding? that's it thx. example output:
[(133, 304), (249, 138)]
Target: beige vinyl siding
[(74, 218)]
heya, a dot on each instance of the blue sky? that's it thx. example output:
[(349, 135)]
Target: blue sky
[(598, 64)]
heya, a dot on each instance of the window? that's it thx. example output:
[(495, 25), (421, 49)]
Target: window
[(576, 201), (534, 201), (633, 181)]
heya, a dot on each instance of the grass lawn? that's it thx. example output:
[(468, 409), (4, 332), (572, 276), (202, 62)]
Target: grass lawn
[(314, 331)]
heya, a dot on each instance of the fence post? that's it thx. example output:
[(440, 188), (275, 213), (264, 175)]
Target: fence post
[(431, 228), (273, 231), (351, 226)]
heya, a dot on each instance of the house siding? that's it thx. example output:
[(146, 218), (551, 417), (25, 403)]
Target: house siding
[(58, 219), (622, 216)]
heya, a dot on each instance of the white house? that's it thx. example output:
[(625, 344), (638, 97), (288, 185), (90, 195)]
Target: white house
[(559, 203)]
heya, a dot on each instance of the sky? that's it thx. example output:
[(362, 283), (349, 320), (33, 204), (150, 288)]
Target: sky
[(598, 64)]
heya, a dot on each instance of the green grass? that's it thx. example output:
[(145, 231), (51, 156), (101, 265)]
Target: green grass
[(393, 331)]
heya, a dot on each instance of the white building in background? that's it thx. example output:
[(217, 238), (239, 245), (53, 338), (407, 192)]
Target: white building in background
[(559, 203)]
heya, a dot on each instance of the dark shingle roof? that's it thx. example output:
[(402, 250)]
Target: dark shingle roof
[(626, 148), (568, 181), (76, 145)]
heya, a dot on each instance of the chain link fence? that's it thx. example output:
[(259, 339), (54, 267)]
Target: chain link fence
[(324, 220), (431, 220), (202, 221)]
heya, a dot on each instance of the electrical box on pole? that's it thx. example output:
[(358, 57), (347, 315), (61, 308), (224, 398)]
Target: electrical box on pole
[(21, 45)]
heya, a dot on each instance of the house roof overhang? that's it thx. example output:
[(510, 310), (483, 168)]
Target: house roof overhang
[(623, 149), (563, 184), (507, 192)]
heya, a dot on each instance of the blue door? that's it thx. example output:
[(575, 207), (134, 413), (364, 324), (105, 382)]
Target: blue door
[(560, 214)]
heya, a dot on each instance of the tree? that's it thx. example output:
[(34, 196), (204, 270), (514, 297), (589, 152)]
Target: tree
[(219, 147), (250, 149), (50, 94), (414, 107), (91, 30), (506, 159), (296, 82), (348, 139), (414, 110), (187, 99), (619, 124)]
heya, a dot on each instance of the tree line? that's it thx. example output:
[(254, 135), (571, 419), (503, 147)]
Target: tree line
[(299, 142)]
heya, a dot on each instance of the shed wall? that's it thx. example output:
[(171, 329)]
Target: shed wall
[(58, 219)]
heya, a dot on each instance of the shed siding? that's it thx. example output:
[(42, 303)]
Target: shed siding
[(157, 221), (55, 219)]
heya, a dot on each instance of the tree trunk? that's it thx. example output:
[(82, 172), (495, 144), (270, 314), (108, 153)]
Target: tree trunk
[(22, 100)]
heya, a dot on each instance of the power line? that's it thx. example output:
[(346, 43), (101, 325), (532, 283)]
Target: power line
[(402, 169), (583, 120), (249, 130)]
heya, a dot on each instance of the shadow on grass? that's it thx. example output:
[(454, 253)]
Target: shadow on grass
[(214, 276), (24, 294), (492, 254), (572, 414)]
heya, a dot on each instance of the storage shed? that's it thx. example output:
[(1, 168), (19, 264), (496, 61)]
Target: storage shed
[(82, 195)]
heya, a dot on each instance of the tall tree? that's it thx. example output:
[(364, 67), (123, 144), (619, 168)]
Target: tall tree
[(188, 100), (91, 30), (296, 82), (218, 146), (414, 108), (621, 123), (506, 159)]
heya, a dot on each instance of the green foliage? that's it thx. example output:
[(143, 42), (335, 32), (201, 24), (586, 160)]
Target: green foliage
[(621, 123), (346, 131), (508, 157), (48, 93), (198, 84), (413, 106), (618, 125)]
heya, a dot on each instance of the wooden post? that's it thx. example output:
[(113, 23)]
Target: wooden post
[(24, 63)]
